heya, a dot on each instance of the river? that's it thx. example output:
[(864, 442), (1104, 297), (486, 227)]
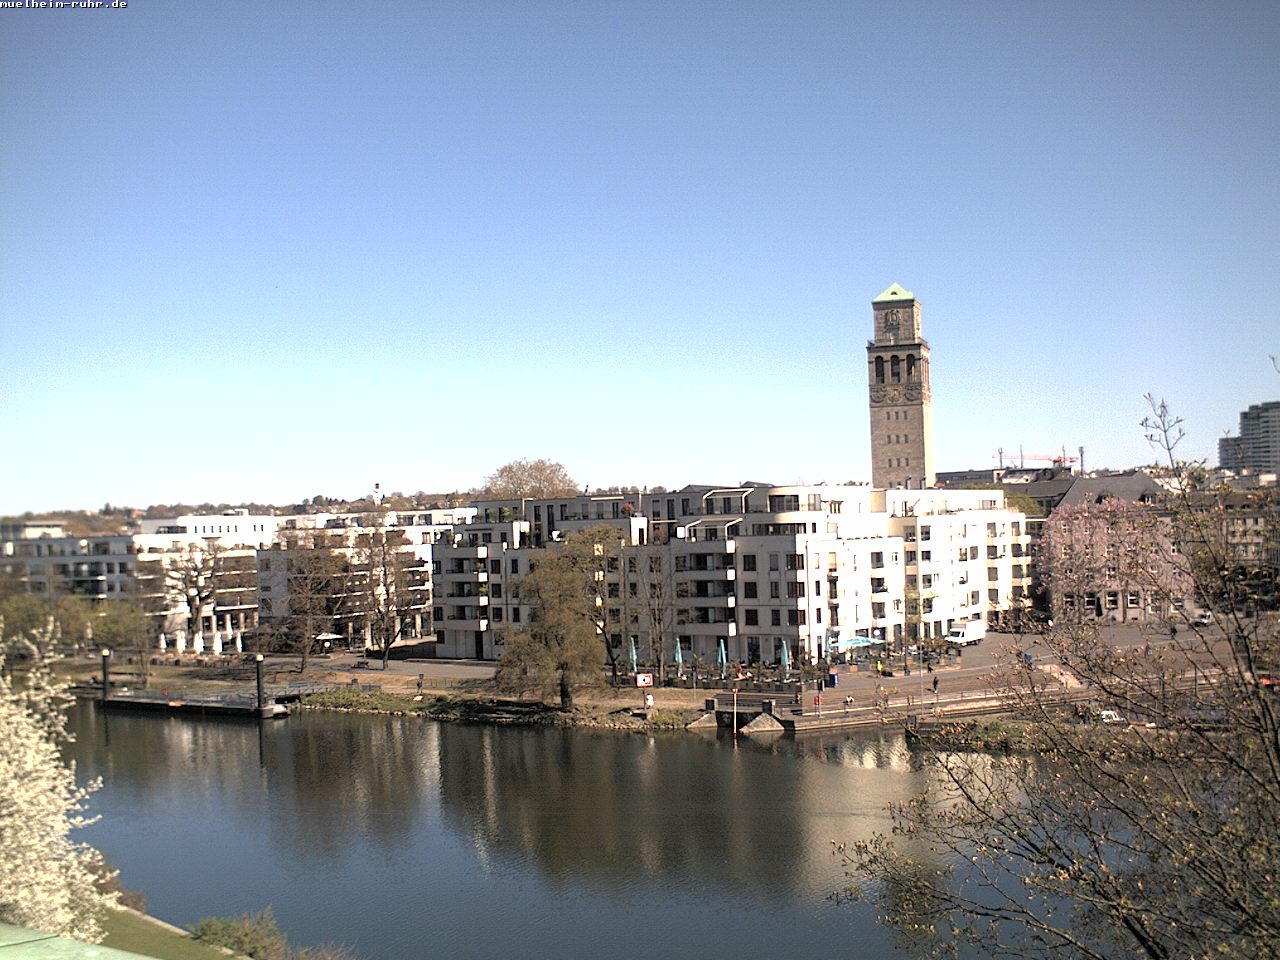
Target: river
[(406, 838)]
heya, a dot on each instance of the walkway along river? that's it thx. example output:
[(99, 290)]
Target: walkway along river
[(405, 838)]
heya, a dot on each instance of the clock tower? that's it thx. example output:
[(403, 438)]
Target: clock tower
[(901, 405)]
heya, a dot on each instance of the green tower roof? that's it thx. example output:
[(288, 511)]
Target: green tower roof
[(895, 292)]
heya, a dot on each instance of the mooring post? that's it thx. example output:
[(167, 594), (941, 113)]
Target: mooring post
[(257, 662), (106, 672)]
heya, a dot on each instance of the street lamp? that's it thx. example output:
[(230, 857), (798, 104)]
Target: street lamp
[(106, 672)]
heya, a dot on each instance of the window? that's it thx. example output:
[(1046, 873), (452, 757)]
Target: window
[(749, 561), (911, 556), (773, 590), (495, 591), (794, 590), (795, 618), (495, 567), (751, 618), (773, 561), (775, 617), (749, 589), (515, 615), (795, 561), (496, 613)]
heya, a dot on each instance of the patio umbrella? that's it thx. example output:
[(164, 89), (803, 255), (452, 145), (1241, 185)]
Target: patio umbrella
[(181, 641), (679, 659), (633, 654), (164, 644), (723, 659), (217, 642), (786, 660), (239, 642), (197, 645)]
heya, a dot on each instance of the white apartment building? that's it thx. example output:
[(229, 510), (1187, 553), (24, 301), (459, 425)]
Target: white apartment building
[(822, 569), (347, 611), (965, 554)]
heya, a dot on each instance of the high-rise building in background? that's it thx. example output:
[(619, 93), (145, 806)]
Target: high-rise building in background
[(1257, 448), (901, 405)]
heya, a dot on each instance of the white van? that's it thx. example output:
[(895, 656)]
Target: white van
[(963, 634)]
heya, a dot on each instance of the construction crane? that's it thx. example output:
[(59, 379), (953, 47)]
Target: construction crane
[(1057, 459)]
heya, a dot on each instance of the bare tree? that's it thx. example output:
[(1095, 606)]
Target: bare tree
[(1158, 839), (318, 576), (386, 587), (658, 604), (204, 576)]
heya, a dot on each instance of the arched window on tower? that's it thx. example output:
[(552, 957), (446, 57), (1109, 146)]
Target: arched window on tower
[(911, 366), (895, 369), (879, 369)]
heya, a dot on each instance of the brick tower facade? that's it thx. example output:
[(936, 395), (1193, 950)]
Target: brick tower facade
[(901, 405)]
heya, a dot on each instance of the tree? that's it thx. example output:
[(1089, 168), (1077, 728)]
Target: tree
[(201, 578), (558, 651), (29, 614), (527, 478), (1160, 840), (47, 882), (121, 625), (319, 577), (387, 587), (656, 590)]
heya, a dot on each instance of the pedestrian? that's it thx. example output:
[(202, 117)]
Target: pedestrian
[(935, 686), (420, 677)]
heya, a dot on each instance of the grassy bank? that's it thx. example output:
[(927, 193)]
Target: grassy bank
[(137, 933), (591, 712)]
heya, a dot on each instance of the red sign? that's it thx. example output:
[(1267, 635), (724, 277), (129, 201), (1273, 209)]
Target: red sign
[(644, 679)]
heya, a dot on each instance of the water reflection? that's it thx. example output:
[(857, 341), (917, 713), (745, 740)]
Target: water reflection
[(220, 816)]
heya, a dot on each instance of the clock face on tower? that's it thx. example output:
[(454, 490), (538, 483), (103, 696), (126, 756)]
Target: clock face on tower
[(891, 319)]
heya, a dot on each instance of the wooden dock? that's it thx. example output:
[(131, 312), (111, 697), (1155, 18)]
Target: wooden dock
[(205, 705), (803, 711), (236, 703)]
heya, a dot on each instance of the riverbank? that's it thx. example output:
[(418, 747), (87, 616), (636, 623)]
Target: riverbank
[(149, 936), (611, 711), (373, 691)]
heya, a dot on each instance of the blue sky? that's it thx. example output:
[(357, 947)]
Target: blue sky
[(264, 251)]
